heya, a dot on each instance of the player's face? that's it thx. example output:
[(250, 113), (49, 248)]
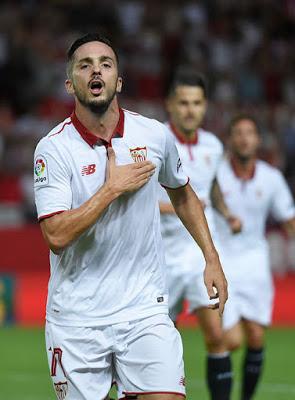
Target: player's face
[(94, 79), (187, 108), (244, 139)]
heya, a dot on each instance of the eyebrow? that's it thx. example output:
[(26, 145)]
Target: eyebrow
[(90, 60)]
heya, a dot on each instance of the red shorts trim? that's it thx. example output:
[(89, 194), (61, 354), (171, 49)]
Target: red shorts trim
[(137, 393), (49, 215), (179, 187)]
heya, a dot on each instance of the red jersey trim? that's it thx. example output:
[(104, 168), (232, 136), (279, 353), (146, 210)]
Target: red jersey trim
[(49, 215), (62, 128), (92, 139), (179, 187), (137, 393), (234, 167), (182, 139)]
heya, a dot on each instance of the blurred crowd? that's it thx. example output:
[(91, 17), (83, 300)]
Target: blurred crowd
[(244, 48)]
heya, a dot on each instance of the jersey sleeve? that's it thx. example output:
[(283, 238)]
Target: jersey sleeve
[(171, 174), (52, 180), (282, 207)]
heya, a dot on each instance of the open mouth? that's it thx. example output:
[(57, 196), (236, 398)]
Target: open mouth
[(96, 87)]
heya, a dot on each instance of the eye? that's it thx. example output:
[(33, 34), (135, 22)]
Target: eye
[(106, 65), (84, 66)]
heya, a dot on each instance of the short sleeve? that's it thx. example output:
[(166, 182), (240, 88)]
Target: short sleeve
[(171, 174), (52, 181), (282, 207)]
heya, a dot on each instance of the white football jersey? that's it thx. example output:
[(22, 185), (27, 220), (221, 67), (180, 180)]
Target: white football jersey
[(114, 272), (200, 161), (252, 201)]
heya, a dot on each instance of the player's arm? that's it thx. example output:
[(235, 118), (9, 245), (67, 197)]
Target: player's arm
[(282, 206), (166, 208), (218, 203), (190, 210), (63, 228), (289, 226)]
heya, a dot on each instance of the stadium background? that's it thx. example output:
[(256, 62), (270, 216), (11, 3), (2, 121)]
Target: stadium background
[(245, 48)]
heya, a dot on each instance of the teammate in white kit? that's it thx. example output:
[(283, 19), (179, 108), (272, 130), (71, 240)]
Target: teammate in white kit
[(200, 152), (252, 189), (96, 191)]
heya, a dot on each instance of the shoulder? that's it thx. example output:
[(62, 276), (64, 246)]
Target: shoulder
[(209, 139), (58, 135), (267, 170), (133, 117), (150, 130)]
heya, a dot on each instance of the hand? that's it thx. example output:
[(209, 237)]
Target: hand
[(216, 284), (234, 223), (129, 177)]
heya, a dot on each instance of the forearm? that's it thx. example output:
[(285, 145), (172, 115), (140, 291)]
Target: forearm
[(62, 229), (189, 209), (218, 201), (166, 208)]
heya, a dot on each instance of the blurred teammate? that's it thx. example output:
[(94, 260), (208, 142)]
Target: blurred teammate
[(96, 187), (252, 189), (200, 152)]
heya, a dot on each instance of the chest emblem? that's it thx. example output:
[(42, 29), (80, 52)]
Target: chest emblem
[(88, 169), (138, 154)]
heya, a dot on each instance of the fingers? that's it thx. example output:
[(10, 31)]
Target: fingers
[(145, 167), (214, 306), (222, 298)]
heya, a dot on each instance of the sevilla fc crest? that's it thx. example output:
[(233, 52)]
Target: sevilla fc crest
[(138, 154), (61, 389)]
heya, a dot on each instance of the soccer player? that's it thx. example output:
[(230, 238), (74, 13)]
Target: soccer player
[(96, 191), (200, 152), (252, 189)]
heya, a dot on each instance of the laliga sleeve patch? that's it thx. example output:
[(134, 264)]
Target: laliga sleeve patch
[(40, 171)]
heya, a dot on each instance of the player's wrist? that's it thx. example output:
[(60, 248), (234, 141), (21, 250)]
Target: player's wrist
[(112, 191)]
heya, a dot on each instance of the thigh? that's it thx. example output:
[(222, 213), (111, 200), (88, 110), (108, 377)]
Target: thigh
[(80, 362), (152, 360), (233, 337)]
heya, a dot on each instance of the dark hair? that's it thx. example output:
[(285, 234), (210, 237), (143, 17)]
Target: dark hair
[(241, 117), (188, 77), (89, 37)]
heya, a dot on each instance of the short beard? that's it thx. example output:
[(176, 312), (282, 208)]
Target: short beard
[(98, 107)]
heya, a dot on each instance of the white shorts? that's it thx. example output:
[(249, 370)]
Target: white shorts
[(250, 288), (146, 355), (186, 280)]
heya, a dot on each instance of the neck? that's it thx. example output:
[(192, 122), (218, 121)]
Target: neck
[(243, 168), (99, 125), (184, 136)]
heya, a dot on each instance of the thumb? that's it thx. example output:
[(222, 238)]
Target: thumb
[(111, 161), (111, 155)]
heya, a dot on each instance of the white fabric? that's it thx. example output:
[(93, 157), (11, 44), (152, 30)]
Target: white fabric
[(144, 355), (114, 272), (184, 258), (245, 255)]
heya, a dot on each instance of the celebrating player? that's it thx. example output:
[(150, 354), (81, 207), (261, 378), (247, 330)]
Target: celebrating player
[(252, 189), (96, 187), (200, 152)]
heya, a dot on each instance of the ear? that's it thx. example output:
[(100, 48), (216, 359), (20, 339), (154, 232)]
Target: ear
[(69, 86), (119, 84)]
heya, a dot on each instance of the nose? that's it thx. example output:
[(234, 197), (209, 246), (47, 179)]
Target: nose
[(96, 69)]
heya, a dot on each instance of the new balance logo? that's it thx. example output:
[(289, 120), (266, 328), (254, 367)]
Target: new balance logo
[(88, 169)]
